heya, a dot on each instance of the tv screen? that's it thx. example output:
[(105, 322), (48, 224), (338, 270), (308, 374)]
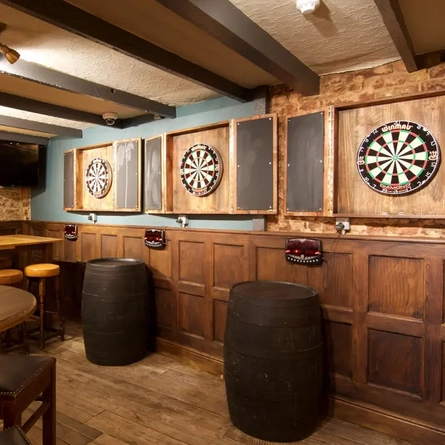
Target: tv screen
[(20, 164)]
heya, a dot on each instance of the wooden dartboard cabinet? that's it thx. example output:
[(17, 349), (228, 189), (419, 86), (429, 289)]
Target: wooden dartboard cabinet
[(122, 162), (248, 152)]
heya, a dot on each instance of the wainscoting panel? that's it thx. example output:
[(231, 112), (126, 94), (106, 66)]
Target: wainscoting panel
[(382, 301)]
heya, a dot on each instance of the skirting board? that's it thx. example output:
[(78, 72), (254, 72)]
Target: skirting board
[(377, 419), (197, 359)]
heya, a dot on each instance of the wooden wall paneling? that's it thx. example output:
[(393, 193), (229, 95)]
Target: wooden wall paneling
[(432, 352), (338, 337), (354, 197), (13, 227), (89, 244), (271, 265), (127, 173), (56, 231), (191, 309), (382, 302), (328, 279), (230, 265), (255, 167), (69, 182), (154, 176), (360, 308), (133, 245), (304, 161), (396, 286), (184, 202), (108, 245), (395, 361)]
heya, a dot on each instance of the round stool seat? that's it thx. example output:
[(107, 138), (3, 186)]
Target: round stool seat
[(5, 262), (10, 276), (42, 270)]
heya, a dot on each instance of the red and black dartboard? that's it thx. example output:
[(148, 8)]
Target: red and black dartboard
[(98, 177), (398, 157), (201, 169)]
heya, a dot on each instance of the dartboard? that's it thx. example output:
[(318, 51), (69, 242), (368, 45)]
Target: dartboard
[(398, 157), (201, 169), (98, 177)]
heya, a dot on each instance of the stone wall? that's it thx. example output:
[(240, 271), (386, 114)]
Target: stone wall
[(15, 203), (386, 81)]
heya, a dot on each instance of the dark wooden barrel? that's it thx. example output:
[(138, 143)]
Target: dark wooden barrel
[(115, 311), (273, 360)]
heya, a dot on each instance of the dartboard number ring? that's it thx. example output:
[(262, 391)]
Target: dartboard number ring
[(398, 157), (98, 177), (201, 169)]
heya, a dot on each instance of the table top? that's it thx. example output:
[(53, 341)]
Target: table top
[(13, 241), (16, 305)]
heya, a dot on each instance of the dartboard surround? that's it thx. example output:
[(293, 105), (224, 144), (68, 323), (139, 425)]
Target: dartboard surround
[(398, 157), (201, 169), (98, 177)]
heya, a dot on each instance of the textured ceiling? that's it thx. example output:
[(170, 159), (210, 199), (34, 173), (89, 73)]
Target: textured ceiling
[(157, 24), (425, 22), (341, 35), (47, 45)]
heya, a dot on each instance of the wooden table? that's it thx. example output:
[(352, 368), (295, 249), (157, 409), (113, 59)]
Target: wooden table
[(16, 305), (27, 242)]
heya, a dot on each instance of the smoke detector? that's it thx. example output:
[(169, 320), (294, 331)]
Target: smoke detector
[(307, 6)]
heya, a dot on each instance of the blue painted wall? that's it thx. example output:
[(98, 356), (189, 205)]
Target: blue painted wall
[(47, 204)]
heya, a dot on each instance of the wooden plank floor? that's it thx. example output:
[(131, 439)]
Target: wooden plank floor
[(156, 401)]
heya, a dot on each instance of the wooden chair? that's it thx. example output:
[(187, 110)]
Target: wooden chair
[(40, 273), (23, 380), (14, 436), (13, 277)]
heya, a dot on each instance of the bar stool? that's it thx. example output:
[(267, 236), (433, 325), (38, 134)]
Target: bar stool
[(39, 273), (13, 277), (14, 436), (23, 380), (9, 277)]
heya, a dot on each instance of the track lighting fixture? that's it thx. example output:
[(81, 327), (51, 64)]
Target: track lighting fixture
[(11, 55)]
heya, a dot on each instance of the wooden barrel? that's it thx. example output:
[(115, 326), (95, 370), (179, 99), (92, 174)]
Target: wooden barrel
[(273, 360), (115, 311)]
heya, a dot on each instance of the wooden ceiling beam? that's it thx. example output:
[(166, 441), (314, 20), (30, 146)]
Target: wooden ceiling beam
[(396, 26), (24, 124), (25, 138), (78, 21), (225, 22), (55, 79), (35, 106)]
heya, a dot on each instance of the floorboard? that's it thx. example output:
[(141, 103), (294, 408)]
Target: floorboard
[(156, 401)]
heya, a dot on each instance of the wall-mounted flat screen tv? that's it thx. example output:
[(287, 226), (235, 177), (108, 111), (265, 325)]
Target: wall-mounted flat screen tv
[(21, 164)]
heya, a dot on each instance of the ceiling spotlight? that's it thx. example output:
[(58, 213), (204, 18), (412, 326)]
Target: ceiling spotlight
[(11, 54), (307, 6)]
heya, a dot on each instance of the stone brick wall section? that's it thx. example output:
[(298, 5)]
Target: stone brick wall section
[(386, 81), (15, 203)]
